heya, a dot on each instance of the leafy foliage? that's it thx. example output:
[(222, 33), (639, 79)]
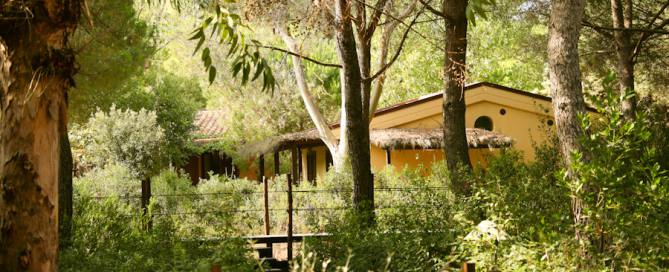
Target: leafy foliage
[(227, 26), (175, 100), (111, 51), (624, 183), (130, 138), (109, 235)]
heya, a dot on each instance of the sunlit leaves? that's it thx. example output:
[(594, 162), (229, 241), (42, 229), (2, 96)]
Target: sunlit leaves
[(227, 28), (477, 8)]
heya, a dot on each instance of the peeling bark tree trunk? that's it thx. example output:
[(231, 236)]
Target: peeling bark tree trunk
[(565, 79), (36, 68), (622, 19), (357, 128), (324, 131), (455, 137)]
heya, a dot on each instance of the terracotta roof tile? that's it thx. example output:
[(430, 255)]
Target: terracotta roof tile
[(208, 123)]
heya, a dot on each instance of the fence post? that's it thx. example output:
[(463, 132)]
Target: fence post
[(146, 198), (266, 205), (468, 267), (290, 218)]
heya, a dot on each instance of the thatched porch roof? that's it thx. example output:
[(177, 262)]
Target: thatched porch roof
[(389, 138)]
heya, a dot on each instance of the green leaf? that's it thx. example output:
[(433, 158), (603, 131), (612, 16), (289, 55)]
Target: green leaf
[(245, 73), (212, 74), (260, 66), (236, 67)]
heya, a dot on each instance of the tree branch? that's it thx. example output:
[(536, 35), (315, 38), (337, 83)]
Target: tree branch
[(656, 30), (299, 56), (645, 36), (597, 29), (432, 9), (405, 24), (374, 20), (399, 49)]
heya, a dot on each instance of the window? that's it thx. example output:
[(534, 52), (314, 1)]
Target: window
[(311, 166), (483, 122)]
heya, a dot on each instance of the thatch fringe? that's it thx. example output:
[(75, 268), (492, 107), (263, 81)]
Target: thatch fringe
[(390, 138)]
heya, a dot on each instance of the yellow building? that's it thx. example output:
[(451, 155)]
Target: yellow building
[(408, 134)]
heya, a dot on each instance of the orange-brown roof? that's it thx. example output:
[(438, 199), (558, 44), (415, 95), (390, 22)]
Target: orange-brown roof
[(208, 124)]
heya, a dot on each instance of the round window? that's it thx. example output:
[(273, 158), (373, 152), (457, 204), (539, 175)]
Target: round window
[(483, 122)]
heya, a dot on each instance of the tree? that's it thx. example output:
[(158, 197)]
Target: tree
[(456, 15), (36, 69), (456, 148), (175, 100), (130, 138), (113, 48), (632, 27), (567, 93), (354, 53)]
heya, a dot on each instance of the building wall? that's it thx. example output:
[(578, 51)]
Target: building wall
[(525, 119)]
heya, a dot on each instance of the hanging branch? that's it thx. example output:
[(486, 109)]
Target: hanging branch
[(299, 56), (399, 49)]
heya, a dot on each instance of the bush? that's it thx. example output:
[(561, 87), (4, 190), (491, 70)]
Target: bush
[(130, 138), (110, 236), (624, 187)]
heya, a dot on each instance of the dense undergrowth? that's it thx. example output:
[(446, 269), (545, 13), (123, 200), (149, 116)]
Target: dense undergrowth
[(517, 219)]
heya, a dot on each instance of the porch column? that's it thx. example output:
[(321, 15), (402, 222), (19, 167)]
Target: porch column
[(261, 168), (388, 161), (277, 163), (293, 153)]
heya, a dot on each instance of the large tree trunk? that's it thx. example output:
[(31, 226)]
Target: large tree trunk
[(357, 128), (455, 137), (565, 79), (622, 19), (36, 68)]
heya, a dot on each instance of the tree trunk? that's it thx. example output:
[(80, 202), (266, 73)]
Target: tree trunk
[(386, 34), (324, 131), (36, 68), (65, 189), (565, 79), (455, 70), (357, 128), (622, 19)]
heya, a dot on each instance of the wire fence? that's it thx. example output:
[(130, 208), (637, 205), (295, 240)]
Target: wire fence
[(315, 191), (255, 209)]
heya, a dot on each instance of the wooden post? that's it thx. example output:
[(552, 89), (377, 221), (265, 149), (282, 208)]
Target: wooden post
[(200, 168), (261, 168), (146, 198), (277, 163), (266, 206), (290, 218), (468, 267), (299, 164), (388, 162), (146, 194), (293, 152)]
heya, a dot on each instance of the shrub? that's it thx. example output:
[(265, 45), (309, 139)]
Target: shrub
[(130, 138), (624, 187), (109, 236)]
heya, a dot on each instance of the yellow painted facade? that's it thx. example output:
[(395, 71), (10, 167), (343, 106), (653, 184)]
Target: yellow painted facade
[(524, 117)]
